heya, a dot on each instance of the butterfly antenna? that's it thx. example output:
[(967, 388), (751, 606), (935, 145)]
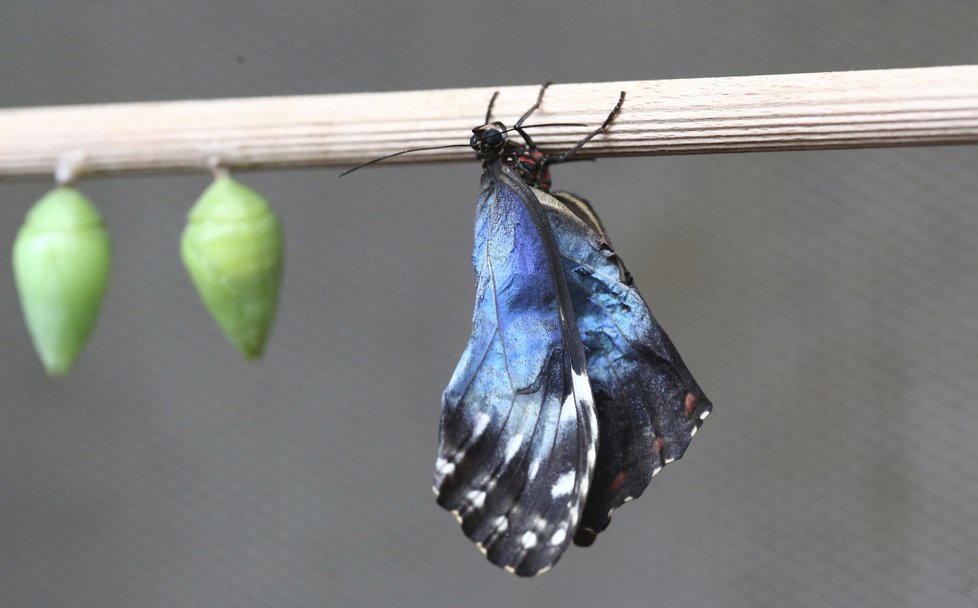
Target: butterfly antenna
[(549, 124), (386, 156), (526, 136)]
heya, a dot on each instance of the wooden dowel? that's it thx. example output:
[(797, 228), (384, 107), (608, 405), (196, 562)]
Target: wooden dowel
[(861, 109)]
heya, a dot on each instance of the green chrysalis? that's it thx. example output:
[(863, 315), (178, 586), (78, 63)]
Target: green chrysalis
[(232, 248), (61, 261)]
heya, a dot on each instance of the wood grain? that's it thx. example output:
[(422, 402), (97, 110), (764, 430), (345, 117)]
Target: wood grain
[(920, 106)]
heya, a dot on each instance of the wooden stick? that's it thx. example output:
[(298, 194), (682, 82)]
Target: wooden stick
[(923, 106)]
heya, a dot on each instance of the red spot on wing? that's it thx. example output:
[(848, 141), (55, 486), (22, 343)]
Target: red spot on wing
[(689, 404), (618, 482), (657, 444)]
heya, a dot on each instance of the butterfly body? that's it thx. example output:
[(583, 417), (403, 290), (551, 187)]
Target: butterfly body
[(569, 396)]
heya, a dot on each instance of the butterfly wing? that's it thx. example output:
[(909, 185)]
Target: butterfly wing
[(518, 434), (648, 404)]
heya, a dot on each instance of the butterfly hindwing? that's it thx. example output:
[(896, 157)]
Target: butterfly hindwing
[(518, 433), (648, 404)]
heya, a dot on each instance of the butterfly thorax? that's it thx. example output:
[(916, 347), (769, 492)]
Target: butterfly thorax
[(532, 166), (491, 143)]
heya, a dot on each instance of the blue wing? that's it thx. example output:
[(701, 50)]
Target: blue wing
[(517, 442), (648, 404)]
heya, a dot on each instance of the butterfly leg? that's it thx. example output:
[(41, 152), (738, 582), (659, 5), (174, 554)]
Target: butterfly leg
[(533, 108), (566, 156), (492, 102)]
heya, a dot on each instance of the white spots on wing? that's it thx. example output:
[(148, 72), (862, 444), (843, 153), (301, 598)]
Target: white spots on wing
[(509, 569), (481, 422), (529, 540), (482, 548), (544, 570), (563, 485), (513, 446), (559, 536), (693, 432), (582, 388), (704, 415), (476, 498), (500, 524), (627, 499), (655, 471), (435, 490), (458, 516), (668, 460), (568, 411), (534, 467), (572, 511), (539, 523), (444, 468)]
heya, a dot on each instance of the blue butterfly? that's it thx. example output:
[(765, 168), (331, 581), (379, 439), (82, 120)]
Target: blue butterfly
[(569, 396)]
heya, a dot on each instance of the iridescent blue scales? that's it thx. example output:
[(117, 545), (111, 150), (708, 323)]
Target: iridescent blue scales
[(518, 429), (648, 405), (569, 397)]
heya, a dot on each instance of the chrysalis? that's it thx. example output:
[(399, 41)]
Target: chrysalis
[(232, 248), (61, 262)]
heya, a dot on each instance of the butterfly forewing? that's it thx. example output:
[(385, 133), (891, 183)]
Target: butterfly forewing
[(648, 404), (518, 430)]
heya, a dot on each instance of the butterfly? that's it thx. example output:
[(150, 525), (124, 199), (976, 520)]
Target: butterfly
[(569, 396)]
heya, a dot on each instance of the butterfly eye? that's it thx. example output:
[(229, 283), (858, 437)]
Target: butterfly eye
[(493, 138), (61, 264), (232, 248), (474, 142)]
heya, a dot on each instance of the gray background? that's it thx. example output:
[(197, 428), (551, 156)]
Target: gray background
[(827, 302)]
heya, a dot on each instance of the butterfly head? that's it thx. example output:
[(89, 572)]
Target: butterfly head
[(489, 140)]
